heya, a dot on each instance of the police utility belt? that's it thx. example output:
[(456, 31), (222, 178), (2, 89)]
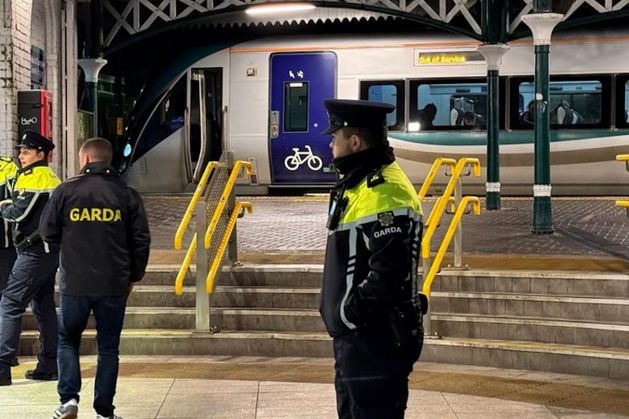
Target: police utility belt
[(22, 241)]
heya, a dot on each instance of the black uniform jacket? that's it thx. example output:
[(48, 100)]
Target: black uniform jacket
[(102, 228), (8, 172), (370, 269), (29, 195)]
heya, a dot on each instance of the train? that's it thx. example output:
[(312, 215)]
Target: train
[(263, 98)]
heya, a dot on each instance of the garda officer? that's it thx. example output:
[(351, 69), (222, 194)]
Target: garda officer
[(103, 232), (32, 279), (369, 299), (8, 171)]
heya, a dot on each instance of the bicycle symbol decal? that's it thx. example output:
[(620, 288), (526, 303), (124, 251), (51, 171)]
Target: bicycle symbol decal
[(293, 162)]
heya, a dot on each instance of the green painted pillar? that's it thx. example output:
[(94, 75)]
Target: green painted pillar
[(91, 67), (493, 55), (542, 25), (495, 29)]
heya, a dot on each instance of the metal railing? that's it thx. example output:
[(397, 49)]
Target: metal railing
[(236, 213), (210, 241), (441, 161), (623, 203), (458, 205), (453, 187)]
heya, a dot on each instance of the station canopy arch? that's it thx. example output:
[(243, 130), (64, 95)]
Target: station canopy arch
[(124, 21)]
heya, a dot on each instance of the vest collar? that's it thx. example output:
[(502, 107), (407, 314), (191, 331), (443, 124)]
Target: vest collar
[(355, 167), (30, 167), (97, 168)]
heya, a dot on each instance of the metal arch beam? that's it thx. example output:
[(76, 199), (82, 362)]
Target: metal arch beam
[(600, 10), (142, 15)]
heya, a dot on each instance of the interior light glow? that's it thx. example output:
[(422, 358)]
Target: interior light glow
[(267, 9), (414, 126)]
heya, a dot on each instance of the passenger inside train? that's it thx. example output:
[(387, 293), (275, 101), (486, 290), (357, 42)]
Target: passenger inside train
[(427, 116), (564, 114)]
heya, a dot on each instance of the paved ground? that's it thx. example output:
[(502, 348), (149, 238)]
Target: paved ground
[(163, 387), (591, 228)]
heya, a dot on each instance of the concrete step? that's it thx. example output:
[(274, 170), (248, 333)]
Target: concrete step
[(611, 362), (288, 276), (228, 296), (564, 283), (532, 329), (596, 309), (280, 320)]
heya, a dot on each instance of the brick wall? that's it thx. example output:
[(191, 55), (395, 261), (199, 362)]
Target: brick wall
[(15, 69), (26, 23)]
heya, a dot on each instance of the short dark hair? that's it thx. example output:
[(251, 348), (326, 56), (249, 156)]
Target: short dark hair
[(373, 136), (99, 149)]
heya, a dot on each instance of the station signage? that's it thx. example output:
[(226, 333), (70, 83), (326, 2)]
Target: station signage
[(447, 58)]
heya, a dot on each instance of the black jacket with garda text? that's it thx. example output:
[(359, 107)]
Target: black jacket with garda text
[(102, 228)]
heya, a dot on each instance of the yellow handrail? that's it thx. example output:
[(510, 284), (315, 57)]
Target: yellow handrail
[(209, 282), (625, 158), (193, 202), (433, 172), (185, 265), (622, 204), (440, 205), (221, 204), (436, 264)]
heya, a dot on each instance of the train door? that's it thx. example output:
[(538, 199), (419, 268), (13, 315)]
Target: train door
[(204, 120), (299, 154)]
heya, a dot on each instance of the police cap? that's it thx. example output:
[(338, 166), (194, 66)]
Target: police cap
[(356, 113), (36, 141)]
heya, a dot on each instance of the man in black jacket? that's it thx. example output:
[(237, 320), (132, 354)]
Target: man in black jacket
[(101, 226), (369, 299)]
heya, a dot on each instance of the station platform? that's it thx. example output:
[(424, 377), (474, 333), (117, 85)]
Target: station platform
[(591, 233), (248, 388), (534, 326)]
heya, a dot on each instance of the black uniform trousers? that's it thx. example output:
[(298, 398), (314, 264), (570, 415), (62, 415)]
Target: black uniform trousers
[(7, 259), (32, 280), (372, 373)]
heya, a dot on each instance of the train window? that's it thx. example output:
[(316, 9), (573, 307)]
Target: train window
[(387, 91), (447, 104), (296, 107), (574, 102)]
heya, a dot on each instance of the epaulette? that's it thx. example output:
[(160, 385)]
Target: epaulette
[(6, 159), (375, 178), (27, 172)]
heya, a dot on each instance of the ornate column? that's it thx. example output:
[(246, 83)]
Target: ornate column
[(542, 23), (91, 67), (493, 55)]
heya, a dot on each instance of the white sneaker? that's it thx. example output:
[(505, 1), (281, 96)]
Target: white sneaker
[(68, 410), (110, 417)]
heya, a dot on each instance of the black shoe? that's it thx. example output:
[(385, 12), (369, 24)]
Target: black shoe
[(15, 362), (5, 379), (41, 376)]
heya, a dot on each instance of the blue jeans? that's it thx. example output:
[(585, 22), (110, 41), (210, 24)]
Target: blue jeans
[(109, 315), (32, 280)]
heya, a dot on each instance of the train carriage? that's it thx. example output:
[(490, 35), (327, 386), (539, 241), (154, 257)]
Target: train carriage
[(262, 99)]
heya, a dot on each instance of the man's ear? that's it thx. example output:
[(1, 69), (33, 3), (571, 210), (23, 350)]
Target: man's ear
[(356, 142)]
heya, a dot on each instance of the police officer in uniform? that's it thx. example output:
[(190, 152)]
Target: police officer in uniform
[(103, 232), (369, 298), (8, 171), (32, 279)]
